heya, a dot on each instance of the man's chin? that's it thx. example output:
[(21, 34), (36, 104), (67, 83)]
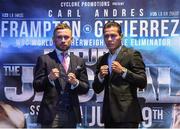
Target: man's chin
[(63, 48), (111, 48)]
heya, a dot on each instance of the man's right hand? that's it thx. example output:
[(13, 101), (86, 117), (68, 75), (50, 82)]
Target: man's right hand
[(54, 74), (103, 71)]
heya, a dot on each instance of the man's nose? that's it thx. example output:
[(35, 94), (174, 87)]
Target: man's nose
[(63, 39), (109, 38)]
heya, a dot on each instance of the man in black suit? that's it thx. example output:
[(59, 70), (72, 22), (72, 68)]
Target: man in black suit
[(61, 76), (119, 72)]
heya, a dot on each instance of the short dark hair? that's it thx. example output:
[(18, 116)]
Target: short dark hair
[(61, 26), (114, 24)]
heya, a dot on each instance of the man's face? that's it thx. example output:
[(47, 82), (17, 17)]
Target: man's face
[(63, 39), (112, 38)]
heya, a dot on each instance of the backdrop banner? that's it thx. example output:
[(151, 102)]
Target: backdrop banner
[(151, 26)]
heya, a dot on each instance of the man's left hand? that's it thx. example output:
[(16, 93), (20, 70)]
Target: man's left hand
[(72, 79), (117, 67)]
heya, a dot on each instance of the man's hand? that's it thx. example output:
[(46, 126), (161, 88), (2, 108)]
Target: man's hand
[(54, 74), (117, 67), (72, 79), (103, 71)]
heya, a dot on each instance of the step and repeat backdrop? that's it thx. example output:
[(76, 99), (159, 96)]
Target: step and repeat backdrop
[(151, 26)]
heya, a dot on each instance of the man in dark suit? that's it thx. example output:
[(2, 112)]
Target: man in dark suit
[(119, 72), (61, 76)]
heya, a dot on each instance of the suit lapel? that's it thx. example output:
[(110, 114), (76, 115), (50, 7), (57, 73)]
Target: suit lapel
[(121, 54), (55, 60), (72, 64), (56, 64)]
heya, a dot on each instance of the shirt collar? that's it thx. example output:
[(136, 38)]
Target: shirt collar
[(117, 51), (59, 52)]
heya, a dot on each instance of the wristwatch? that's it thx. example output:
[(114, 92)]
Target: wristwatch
[(124, 70)]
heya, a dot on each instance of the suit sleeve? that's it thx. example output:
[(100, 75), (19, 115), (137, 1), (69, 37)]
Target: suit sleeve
[(136, 75), (97, 85), (81, 74), (40, 76)]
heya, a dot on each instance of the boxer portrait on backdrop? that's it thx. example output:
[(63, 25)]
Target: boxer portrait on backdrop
[(11, 117)]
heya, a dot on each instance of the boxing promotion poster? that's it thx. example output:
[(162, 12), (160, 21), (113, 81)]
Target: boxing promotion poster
[(152, 27)]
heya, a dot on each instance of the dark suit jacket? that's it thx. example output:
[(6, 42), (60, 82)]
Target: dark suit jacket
[(51, 93), (120, 97)]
